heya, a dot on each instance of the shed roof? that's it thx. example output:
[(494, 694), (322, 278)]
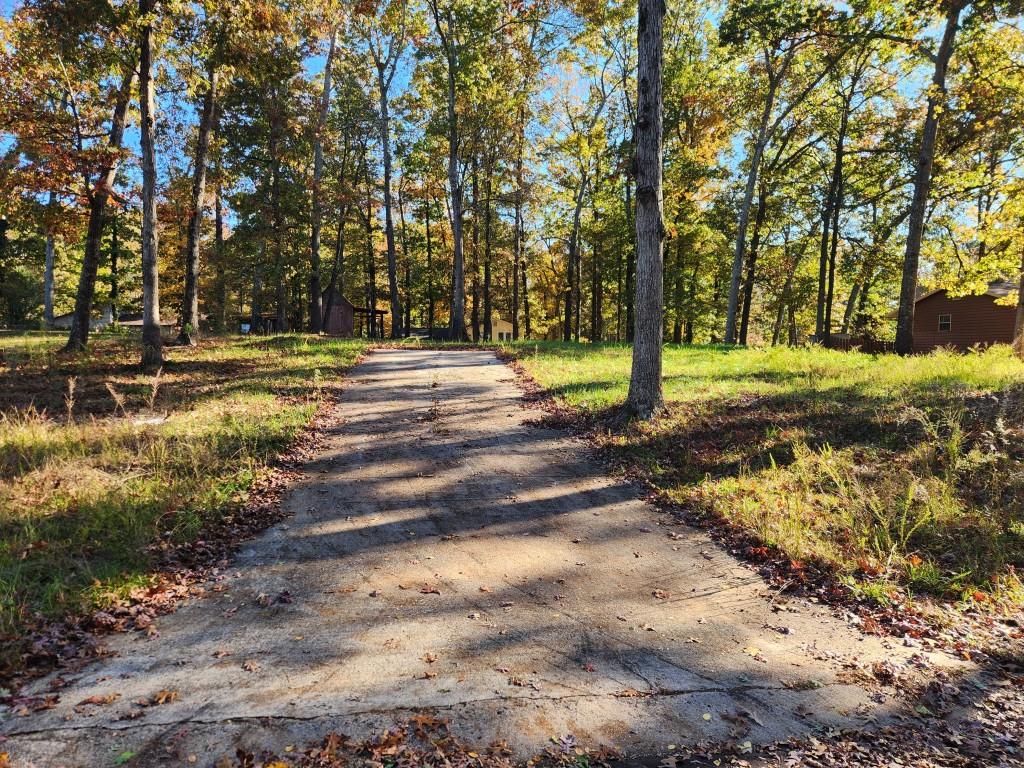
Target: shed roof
[(997, 289)]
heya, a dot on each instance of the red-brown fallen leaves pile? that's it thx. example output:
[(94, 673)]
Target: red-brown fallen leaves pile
[(423, 742)]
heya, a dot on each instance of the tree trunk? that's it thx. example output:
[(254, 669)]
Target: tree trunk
[(755, 245), (526, 301), (677, 298), (517, 233), (256, 310), (407, 322), (3, 262), (218, 247), (631, 256), (98, 195), (430, 273), (316, 299), (458, 298), (152, 342), (371, 267), (1018, 323), (923, 181), (51, 253), (474, 312), (389, 225), (190, 304), (337, 281), (596, 287), (851, 305), (645, 394), (744, 216), (280, 295), (488, 330), (115, 254)]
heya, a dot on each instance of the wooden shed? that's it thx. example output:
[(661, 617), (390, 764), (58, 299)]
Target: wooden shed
[(941, 320), (340, 321)]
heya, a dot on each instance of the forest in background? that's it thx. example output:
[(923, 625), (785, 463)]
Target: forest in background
[(458, 161)]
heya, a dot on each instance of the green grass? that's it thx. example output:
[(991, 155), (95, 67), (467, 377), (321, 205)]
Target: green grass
[(895, 474), (94, 473)]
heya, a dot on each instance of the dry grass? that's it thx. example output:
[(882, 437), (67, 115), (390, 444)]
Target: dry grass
[(899, 475), (129, 459)]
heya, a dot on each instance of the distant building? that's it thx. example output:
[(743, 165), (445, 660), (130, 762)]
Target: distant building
[(501, 330), (97, 323), (941, 320), (341, 321)]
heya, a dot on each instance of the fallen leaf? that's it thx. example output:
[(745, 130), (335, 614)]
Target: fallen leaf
[(429, 589), (164, 696), (485, 589), (250, 665), (429, 658), (661, 594), (100, 701)]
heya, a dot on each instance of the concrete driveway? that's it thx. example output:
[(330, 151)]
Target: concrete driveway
[(444, 554)]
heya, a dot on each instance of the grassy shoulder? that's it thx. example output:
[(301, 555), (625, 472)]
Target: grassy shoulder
[(102, 466), (902, 476)]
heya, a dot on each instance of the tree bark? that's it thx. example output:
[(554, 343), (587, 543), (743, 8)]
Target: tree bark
[(371, 266), (445, 30), (677, 291), (190, 304), (1018, 323), (337, 281), (4, 224), (152, 342), (218, 247), (98, 195), (645, 398), (596, 288), (430, 272), (389, 225), (526, 301), (517, 233), (316, 299), (755, 245), (115, 254), (51, 252), (280, 294), (744, 216), (631, 256), (923, 181), (474, 311), (488, 330), (407, 321)]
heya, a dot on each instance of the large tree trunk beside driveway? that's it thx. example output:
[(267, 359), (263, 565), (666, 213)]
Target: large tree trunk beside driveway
[(152, 343), (645, 394)]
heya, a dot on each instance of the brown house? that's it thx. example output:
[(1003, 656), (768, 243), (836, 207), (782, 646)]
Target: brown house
[(341, 319), (941, 320)]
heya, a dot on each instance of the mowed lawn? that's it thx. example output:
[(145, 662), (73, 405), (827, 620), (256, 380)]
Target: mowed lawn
[(900, 475), (103, 467)]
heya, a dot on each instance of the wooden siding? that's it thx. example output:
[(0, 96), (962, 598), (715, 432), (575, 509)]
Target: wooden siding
[(973, 320), (341, 320)]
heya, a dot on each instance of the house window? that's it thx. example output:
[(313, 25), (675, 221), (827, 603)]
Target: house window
[(945, 322)]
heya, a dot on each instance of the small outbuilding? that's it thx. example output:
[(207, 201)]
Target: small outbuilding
[(340, 320), (501, 330), (941, 320)]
